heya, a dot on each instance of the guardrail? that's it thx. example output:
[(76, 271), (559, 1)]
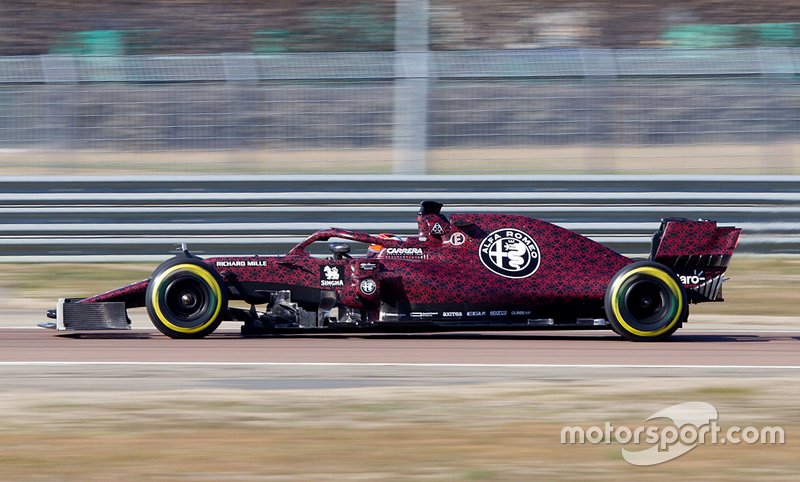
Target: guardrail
[(141, 218)]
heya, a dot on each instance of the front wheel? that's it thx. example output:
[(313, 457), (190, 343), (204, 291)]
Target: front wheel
[(645, 302), (185, 299)]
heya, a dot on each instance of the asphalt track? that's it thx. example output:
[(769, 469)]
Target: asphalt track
[(698, 349)]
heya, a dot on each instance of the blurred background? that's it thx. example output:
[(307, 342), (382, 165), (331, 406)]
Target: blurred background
[(406, 87), (240, 127), (151, 95)]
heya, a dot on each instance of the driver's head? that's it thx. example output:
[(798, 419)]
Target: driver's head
[(375, 249)]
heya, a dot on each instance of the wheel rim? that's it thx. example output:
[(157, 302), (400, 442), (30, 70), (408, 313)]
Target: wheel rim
[(186, 298), (187, 301), (646, 304)]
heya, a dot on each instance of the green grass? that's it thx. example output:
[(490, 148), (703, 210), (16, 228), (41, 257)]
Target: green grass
[(760, 286), (728, 392), (46, 281), (477, 432)]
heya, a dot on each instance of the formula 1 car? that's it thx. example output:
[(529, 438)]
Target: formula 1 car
[(468, 272)]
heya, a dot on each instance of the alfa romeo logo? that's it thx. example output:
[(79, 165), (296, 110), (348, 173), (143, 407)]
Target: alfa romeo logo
[(510, 252), (368, 286)]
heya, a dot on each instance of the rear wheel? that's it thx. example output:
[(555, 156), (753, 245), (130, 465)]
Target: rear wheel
[(185, 299), (645, 302)]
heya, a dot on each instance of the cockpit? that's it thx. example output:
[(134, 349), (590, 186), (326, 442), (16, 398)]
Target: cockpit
[(433, 227)]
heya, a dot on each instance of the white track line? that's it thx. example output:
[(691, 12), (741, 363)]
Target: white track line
[(370, 364)]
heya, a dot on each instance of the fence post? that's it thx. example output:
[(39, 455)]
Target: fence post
[(61, 77), (410, 111)]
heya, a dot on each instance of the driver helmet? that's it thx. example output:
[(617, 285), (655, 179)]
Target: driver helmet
[(375, 249)]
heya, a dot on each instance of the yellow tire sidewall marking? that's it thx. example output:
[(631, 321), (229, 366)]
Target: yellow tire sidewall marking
[(657, 273), (203, 274)]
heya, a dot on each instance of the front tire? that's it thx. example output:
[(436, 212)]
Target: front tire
[(186, 298), (645, 301)]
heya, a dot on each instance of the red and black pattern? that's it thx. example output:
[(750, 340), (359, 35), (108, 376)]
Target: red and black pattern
[(696, 238), (132, 295)]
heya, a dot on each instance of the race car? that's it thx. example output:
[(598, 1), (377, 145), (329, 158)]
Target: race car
[(471, 271)]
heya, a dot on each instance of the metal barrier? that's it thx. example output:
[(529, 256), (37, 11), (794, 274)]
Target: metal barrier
[(140, 218)]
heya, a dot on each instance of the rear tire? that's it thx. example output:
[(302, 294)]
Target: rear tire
[(645, 301), (186, 298)]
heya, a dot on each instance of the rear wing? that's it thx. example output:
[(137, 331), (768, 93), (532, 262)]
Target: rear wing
[(698, 252)]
